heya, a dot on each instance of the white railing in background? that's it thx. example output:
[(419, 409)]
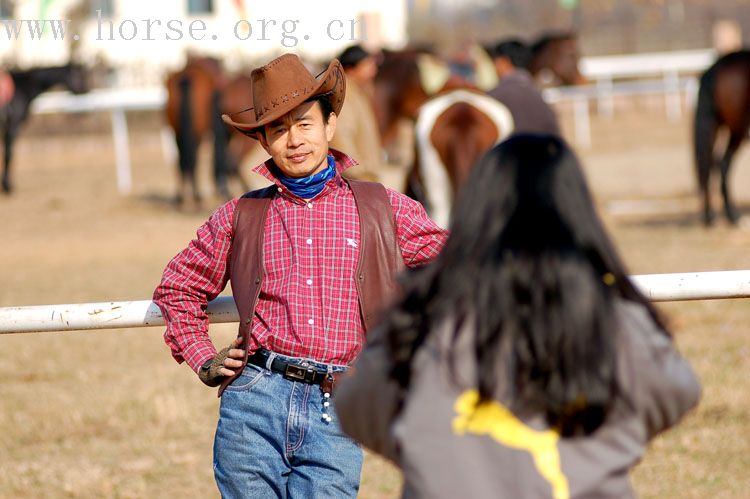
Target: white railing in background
[(114, 101), (671, 73), (647, 65), (130, 314), (581, 96)]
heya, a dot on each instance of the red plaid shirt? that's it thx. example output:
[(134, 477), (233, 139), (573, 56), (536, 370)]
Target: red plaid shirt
[(308, 303)]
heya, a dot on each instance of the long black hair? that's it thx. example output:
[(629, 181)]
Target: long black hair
[(530, 269)]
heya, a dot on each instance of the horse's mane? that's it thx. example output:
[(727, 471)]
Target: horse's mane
[(547, 37)]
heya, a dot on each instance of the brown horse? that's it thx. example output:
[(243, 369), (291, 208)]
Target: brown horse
[(197, 95), (453, 130), (454, 123), (404, 81), (554, 59), (723, 104), (193, 95)]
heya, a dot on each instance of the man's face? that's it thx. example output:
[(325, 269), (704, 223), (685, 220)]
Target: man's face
[(298, 141), (364, 71), (503, 66)]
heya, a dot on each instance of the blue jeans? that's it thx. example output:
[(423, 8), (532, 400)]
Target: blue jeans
[(273, 441)]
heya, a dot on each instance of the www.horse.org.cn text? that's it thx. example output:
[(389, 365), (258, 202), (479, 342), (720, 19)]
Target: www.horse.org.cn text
[(287, 32)]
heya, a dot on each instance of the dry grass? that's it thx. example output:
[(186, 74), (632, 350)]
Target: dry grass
[(108, 414)]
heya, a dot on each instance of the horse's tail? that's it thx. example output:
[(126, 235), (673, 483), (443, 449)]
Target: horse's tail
[(462, 154), (704, 128), (221, 145), (185, 140)]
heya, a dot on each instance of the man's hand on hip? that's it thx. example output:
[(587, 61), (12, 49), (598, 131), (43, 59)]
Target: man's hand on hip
[(224, 364)]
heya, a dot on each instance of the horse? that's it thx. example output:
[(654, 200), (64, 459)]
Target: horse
[(723, 104), (455, 123), (197, 95), (192, 111), (554, 59), (453, 130), (28, 85), (404, 81)]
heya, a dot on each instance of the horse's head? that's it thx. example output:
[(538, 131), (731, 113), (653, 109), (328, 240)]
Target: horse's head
[(397, 89), (405, 80), (76, 78), (554, 60)]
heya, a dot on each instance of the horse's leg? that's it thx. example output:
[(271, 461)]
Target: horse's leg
[(187, 149), (221, 145), (706, 126), (187, 145), (706, 162), (8, 137), (735, 139)]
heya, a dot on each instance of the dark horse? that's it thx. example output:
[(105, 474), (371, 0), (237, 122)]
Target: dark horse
[(723, 104), (28, 85), (197, 95)]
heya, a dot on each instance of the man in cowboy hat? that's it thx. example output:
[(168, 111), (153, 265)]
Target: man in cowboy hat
[(311, 260)]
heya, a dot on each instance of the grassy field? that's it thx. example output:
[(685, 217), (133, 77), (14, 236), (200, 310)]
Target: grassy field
[(109, 414)]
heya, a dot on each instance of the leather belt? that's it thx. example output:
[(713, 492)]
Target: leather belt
[(290, 371)]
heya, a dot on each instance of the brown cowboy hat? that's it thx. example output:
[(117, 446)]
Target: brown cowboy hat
[(282, 85)]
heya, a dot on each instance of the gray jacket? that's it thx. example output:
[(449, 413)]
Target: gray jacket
[(499, 455), (521, 96)]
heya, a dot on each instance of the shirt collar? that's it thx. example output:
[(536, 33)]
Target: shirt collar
[(343, 162)]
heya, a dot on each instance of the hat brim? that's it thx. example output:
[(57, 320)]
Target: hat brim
[(332, 81)]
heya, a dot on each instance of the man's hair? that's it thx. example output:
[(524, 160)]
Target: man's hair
[(325, 105), (530, 273), (352, 55), (326, 108), (515, 50)]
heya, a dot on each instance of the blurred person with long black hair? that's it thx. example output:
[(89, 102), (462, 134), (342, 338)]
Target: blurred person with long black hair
[(523, 362)]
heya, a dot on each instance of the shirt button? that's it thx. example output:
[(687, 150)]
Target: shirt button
[(279, 189), (309, 205), (309, 241), (310, 321), (309, 282)]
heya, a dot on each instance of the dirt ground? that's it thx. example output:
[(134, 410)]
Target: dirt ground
[(109, 414)]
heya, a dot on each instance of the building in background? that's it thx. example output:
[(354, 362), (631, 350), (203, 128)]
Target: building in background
[(604, 26), (142, 39)]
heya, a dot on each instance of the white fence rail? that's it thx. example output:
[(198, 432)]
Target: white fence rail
[(647, 65), (673, 90), (114, 101), (130, 314)]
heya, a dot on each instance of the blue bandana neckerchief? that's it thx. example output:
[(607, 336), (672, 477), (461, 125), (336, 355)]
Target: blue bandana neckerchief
[(308, 187)]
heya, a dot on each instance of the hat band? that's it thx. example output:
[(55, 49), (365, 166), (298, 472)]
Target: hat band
[(281, 100)]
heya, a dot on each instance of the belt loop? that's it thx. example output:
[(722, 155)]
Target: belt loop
[(269, 360)]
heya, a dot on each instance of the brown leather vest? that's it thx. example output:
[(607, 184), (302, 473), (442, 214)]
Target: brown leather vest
[(380, 256)]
